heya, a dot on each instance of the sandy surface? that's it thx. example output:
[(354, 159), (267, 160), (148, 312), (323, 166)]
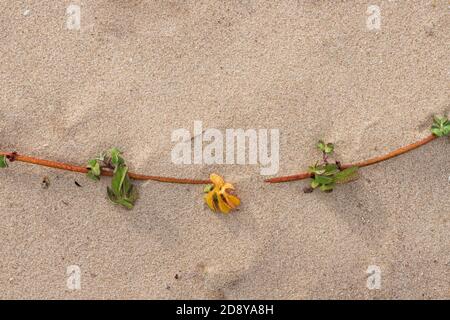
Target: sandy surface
[(137, 70)]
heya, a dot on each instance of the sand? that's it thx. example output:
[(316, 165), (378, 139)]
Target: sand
[(137, 70)]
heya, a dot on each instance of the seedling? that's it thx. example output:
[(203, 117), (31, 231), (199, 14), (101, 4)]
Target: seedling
[(94, 167), (326, 175), (326, 148), (122, 191), (441, 126)]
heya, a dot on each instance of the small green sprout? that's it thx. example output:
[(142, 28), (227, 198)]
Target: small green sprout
[(326, 148), (326, 175), (208, 188), (441, 126), (3, 163), (116, 159), (122, 191), (94, 167)]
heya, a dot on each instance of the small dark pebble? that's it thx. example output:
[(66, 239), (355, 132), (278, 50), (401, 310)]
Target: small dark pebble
[(45, 183), (308, 189), (177, 276), (77, 184)]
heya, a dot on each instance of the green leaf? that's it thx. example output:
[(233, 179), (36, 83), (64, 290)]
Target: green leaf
[(317, 170), (116, 159), (126, 203), (118, 178), (331, 169), (92, 163), (329, 148), (101, 157), (321, 145), (323, 179), (126, 186), (437, 132), (327, 187), (111, 195), (92, 176), (132, 195), (439, 120), (208, 188), (441, 126), (320, 171), (314, 184), (122, 191), (3, 162), (346, 175), (126, 200), (446, 130), (94, 169)]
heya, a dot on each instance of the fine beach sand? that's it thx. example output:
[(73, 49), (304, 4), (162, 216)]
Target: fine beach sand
[(137, 70)]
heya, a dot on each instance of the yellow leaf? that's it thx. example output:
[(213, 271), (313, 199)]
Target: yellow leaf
[(222, 205), (232, 201), (209, 199), (216, 180), (218, 199), (227, 186)]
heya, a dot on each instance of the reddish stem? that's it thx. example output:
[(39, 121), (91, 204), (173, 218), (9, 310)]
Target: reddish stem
[(12, 156), (365, 163)]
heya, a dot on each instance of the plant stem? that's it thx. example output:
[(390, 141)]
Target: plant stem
[(12, 156), (365, 163)]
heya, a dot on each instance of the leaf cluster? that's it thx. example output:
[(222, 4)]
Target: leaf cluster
[(326, 175), (122, 191), (441, 126), (326, 148)]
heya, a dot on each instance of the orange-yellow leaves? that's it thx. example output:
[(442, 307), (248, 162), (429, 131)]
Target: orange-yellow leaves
[(218, 196)]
